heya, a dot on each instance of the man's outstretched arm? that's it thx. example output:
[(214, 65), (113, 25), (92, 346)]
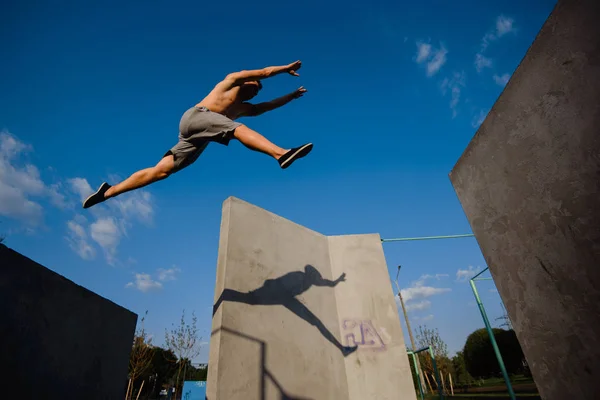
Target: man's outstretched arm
[(254, 110), (238, 78)]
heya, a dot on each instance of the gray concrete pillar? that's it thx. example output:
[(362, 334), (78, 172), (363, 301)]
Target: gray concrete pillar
[(529, 183), (300, 315)]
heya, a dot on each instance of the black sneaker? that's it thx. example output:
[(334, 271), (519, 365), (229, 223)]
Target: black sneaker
[(288, 158), (97, 197)]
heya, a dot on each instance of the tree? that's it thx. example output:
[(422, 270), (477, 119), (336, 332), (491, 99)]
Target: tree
[(140, 358), (462, 376), (162, 370), (184, 342), (431, 337), (512, 353), (480, 358)]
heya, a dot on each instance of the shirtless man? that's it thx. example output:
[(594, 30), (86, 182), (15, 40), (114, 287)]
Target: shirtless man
[(212, 120)]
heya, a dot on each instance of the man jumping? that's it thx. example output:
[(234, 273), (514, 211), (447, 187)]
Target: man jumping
[(212, 120)]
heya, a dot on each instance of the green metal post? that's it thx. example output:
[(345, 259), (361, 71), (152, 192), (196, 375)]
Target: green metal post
[(492, 338), (414, 359), (437, 374)]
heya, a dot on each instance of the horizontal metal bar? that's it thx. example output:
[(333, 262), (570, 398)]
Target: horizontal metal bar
[(479, 273), (428, 238)]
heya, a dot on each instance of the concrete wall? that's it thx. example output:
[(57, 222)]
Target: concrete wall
[(59, 340), (529, 183), (277, 327), (369, 317)]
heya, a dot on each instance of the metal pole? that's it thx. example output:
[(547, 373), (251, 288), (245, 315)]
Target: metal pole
[(492, 338), (428, 238), (437, 373), (412, 340), (414, 359)]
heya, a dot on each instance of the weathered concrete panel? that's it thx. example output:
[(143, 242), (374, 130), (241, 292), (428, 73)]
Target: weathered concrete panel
[(59, 340), (369, 317), (268, 301), (529, 183), (276, 324)]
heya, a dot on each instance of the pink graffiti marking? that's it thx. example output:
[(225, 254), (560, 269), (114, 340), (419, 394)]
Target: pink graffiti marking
[(369, 337)]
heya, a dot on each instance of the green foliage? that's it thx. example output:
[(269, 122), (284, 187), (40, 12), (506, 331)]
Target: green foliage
[(141, 353), (479, 356), (511, 351), (183, 340), (431, 337), (461, 375), (161, 368)]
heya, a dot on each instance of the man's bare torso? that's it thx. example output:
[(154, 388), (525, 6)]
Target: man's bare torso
[(225, 101)]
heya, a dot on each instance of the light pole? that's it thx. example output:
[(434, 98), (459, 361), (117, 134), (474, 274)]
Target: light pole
[(412, 340)]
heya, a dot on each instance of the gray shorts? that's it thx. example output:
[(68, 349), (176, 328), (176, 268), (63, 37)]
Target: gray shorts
[(198, 127)]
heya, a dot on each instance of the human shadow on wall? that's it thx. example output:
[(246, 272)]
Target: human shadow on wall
[(283, 291), (264, 372)]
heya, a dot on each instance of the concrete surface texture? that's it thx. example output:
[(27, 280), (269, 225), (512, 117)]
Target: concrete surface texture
[(299, 315), (59, 340), (529, 183)]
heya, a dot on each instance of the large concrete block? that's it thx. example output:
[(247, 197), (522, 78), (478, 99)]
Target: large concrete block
[(302, 315), (59, 340), (529, 183)]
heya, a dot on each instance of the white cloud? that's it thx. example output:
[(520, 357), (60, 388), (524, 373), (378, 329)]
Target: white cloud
[(463, 275), (423, 51), (501, 80), (167, 274), (81, 187), (419, 291), (482, 62), (22, 190), (57, 198), (114, 217), (107, 234), (78, 239), (418, 306), (136, 204), (454, 85), (423, 278), (478, 119), (144, 283), (15, 204), (20, 181), (503, 26), (435, 57)]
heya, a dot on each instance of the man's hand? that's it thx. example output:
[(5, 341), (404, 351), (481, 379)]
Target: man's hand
[(293, 67), (298, 92)]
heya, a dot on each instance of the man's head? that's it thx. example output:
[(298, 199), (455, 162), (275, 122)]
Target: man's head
[(250, 89)]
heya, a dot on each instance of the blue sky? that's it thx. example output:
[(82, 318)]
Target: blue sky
[(396, 90)]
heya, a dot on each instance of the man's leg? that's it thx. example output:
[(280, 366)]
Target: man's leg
[(137, 180), (255, 141)]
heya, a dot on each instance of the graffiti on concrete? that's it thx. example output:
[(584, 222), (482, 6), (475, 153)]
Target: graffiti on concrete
[(362, 333)]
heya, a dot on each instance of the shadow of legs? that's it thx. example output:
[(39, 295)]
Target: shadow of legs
[(295, 306)]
